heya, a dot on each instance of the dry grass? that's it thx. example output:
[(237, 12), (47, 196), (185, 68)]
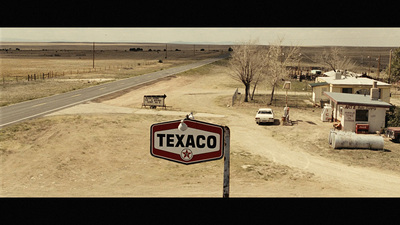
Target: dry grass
[(71, 61), (23, 91)]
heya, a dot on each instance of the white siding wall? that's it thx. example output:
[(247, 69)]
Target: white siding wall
[(376, 119), (318, 94), (348, 120)]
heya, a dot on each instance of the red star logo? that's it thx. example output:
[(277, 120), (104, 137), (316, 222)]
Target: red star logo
[(186, 154)]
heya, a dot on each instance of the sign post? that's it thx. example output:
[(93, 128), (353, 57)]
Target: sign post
[(226, 162), (191, 141)]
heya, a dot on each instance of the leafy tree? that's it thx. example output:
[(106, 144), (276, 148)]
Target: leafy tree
[(393, 117), (395, 66)]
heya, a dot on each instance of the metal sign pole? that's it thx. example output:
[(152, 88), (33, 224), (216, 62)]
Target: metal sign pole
[(226, 162)]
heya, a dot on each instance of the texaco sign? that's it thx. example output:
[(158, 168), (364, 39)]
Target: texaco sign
[(187, 141)]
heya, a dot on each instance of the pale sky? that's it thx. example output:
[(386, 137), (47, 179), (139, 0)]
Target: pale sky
[(303, 36)]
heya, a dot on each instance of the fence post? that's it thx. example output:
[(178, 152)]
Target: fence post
[(234, 96)]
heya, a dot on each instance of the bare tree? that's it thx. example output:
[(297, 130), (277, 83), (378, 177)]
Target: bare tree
[(278, 58), (258, 79), (246, 64), (335, 59)]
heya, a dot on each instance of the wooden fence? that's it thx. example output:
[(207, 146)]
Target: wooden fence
[(53, 74), (234, 96)]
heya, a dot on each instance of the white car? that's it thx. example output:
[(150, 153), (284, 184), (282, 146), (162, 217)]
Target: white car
[(264, 115)]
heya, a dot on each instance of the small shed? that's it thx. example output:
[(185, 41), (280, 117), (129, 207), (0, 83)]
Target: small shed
[(358, 112), (317, 92)]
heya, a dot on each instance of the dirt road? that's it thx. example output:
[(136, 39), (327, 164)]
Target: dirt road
[(354, 181), (110, 151), (245, 134)]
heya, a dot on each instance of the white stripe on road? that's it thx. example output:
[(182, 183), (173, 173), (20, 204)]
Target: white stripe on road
[(39, 105)]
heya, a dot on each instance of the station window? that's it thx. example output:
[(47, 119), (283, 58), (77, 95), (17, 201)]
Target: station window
[(347, 90), (361, 115)]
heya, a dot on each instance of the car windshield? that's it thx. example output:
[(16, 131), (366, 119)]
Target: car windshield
[(264, 112)]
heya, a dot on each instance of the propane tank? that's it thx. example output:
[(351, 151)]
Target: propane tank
[(343, 139)]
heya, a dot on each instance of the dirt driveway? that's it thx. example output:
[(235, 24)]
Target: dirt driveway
[(102, 149)]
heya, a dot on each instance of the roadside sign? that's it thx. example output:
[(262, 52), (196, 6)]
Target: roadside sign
[(154, 100), (193, 142)]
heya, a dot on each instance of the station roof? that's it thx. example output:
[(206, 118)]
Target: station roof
[(348, 73), (355, 99), (354, 81)]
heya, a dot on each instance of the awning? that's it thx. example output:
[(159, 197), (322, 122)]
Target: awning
[(355, 99), (318, 84)]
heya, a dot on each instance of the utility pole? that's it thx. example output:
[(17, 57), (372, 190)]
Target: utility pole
[(93, 54), (369, 65), (194, 49), (166, 51), (390, 64), (379, 65)]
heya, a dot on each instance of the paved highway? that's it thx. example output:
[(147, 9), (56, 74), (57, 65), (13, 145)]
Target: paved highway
[(39, 107)]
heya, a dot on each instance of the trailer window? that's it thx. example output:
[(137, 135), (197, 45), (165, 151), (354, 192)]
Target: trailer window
[(361, 115)]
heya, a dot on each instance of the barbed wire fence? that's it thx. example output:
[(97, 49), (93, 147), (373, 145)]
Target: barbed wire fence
[(140, 55)]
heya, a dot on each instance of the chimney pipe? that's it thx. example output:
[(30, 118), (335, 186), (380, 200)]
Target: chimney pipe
[(338, 75), (374, 91)]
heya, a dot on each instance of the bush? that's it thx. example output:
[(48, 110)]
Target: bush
[(393, 117), (136, 49)]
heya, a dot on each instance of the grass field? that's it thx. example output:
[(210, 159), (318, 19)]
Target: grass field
[(76, 59), (70, 65)]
